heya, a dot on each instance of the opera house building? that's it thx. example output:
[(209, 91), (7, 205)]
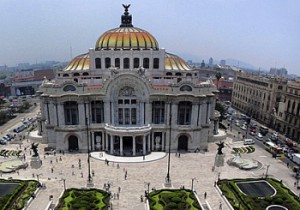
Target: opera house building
[(127, 97)]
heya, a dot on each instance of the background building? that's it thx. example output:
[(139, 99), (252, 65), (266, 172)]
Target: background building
[(127, 97)]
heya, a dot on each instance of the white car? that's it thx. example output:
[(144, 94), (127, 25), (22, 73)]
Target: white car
[(244, 127), (259, 136)]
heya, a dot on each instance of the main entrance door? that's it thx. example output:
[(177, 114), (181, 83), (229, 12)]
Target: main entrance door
[(73, 143), (183, 143)]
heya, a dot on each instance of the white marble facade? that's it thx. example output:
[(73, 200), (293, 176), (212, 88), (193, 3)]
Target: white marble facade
[(127, 100)]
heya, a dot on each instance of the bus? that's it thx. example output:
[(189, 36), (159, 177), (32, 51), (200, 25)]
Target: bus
[(274, 149), (263, 130)]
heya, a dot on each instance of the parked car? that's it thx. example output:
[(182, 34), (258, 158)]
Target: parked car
[(3, 142), (244, 127), (10, 136), (259, 136)]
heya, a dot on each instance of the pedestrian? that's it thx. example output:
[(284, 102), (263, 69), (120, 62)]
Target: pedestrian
[(72, 166), (93, 173), (81, 175), (220, 206), (119, 189), (63, 152), (205, 194), (117, 196), (60, 159), (73, 173), (18, 173), (56, 160), (287, 164), (50, 161), (142, 200), (118, 166), (125, 176), (179, 154), (52, 170)]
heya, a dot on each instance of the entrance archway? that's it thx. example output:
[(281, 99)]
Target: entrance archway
[(183, 143), (73, 143)]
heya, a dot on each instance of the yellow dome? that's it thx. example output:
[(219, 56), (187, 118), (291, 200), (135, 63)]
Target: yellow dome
[(81, 62), (126, 38), (174, 62)]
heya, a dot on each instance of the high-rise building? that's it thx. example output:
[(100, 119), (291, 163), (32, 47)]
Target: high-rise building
[(211, 62)]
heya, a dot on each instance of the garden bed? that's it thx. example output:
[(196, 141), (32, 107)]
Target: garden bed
[(173, 199), (82, 199), (248, 149), (239, 200), (19, 193)]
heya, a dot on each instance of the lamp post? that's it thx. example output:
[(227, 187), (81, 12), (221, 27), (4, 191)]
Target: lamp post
[(267, 170), (168, 180), (148, 186), (193, 179), (89, 181), (38, 177), (64, 182)]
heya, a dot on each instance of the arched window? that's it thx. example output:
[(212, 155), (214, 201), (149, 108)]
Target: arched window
[(76, 74), (117, 63), (98, 63), (136, 63), (126, 63), (85, 74), (188, 74), (158, 112), (146, 63), (178, 74), (156, 63), (107, 63), (65, 75)]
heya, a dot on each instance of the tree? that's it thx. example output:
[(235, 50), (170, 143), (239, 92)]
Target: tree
[(218, 77), (220, 108)]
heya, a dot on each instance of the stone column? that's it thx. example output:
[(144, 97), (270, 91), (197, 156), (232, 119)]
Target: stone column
[(144, 145), (107, 112), (194, 115), (203, 114), (121, 145), (153, 140), (163, 140), (112, 144), (61, 114), (148, 113), (149, 142), (81, 114), (106, 142), (174, 114), (133, 146)]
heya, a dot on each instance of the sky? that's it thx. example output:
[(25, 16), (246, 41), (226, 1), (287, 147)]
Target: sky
[(264, 33)]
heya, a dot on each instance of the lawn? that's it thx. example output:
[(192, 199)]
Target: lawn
[(173, 199), (82, 199), (241, 201), (15, 193)]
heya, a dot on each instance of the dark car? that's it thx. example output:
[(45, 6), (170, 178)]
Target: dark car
[(9, 136), (3, 142)]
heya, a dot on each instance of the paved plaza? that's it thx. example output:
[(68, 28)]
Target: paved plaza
[(153, 169)]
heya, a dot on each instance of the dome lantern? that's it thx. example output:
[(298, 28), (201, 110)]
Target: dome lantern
[(126, 19)]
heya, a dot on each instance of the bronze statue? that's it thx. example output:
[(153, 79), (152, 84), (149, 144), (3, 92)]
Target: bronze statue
[(220, 147), (126, 7), (34, 149)]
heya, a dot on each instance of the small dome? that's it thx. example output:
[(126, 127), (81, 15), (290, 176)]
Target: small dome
[(81, 62), (126, 38), (174, 62)]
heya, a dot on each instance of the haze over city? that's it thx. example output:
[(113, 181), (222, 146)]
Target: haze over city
[(262, 33)]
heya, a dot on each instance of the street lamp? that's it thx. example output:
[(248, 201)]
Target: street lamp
[(193, 179), (168, 180), (148, 185), (64, 182), (267, 170), (90, 181), (38, 177)]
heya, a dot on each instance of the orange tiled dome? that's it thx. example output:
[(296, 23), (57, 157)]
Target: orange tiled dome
[(126, 38)]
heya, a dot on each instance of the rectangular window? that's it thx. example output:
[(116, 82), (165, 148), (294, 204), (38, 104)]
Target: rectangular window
[(133, 116), (127, 116), (120, 116)]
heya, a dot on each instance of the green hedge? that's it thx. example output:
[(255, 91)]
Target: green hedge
[(238, 200)]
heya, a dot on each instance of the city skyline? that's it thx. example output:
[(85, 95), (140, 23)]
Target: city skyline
[(264, 34)]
